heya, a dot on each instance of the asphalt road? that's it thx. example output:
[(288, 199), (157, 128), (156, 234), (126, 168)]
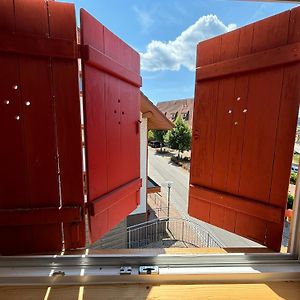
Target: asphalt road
[(161, 170)]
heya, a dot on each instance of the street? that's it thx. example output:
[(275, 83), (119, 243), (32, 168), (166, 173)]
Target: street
[(161, 170)]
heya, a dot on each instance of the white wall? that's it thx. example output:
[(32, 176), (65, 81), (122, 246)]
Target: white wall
[(143, 166)]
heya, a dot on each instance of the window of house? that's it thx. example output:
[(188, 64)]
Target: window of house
[(174, 116), (185, 116)]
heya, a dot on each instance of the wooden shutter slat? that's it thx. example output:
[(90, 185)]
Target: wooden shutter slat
[(237, 134), (113, 131), (204, 130), (260, 134), (40, 216), (62, 23), (224, 110), (271, 32)]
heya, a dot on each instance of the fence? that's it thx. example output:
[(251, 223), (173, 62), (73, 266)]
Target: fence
[(154, 231)]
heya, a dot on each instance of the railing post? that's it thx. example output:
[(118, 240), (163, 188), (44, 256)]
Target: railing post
[(182, 230), (146, 237), (129, 238)]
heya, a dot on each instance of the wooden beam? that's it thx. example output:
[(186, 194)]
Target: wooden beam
[(148, 114), (40, 216), (246, 206), (38, 46), (264, 59), (103, 62), (102, 203)]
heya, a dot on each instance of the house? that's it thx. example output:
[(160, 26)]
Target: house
[(180, 107)]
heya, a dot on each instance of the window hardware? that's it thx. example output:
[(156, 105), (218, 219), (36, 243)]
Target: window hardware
[(125, 270), (149, 270)]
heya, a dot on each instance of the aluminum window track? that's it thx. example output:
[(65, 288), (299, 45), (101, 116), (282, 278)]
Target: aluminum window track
[(105, 269)]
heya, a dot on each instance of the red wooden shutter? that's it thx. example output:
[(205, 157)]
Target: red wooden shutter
[(245, 117), (111, 82), (41, 190)]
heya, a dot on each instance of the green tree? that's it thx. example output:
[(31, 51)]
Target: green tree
[(159, 135), (180, 137), (290, 201), (150, 136), (293, 178)]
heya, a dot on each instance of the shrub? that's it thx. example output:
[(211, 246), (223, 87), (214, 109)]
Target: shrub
[(293, 178), (290, 201), (176, 160)]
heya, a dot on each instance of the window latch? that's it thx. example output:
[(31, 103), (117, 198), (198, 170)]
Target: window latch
[(148, 270)]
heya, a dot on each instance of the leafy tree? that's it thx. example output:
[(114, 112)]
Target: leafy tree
[(290, 201), (159, 136), (293, 178), (180, 137), (150, 136)]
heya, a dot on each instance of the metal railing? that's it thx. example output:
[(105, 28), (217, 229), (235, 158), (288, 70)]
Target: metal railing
[(152, 232)]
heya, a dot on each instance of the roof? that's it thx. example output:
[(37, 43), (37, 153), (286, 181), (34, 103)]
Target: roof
[(184, 107), (156, 119)]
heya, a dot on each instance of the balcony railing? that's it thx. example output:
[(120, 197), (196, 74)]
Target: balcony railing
[(155, 232)]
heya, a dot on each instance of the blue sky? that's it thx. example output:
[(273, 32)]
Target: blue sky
[(166, 32)]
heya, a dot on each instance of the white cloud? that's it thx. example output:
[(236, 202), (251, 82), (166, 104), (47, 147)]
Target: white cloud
[(144, 18), (172, 55)]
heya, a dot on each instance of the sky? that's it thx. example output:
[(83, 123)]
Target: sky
[(166, 33)]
